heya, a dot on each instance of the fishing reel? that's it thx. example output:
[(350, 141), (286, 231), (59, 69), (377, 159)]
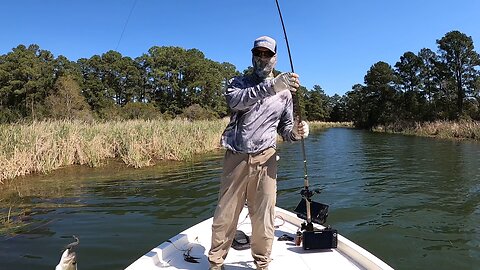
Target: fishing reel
[(307, 193)]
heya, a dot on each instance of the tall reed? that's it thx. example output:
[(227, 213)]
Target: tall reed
[(449, 129), (45, 146), (321, 125), (439, 129)]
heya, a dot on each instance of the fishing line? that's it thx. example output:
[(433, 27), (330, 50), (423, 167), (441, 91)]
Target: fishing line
[(299, 116), (126, 23)]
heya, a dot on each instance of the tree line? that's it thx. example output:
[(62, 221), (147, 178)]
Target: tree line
[(167, 82), (425, 86)]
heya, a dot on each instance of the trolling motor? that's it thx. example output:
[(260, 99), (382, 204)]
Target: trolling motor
[(311, 237), (310, 211), (318, 211)]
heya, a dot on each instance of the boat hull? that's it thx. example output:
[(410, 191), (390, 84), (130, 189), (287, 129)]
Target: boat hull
[(285, 254)]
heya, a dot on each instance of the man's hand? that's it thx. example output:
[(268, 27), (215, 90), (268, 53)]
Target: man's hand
[(300, 129), (286, 81)]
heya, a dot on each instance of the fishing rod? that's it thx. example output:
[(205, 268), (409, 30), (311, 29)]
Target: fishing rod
[(311, 237), (305, 192)]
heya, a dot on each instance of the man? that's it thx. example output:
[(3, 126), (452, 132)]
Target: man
[(261, 106)]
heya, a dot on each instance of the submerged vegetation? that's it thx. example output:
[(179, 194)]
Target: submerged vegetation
[(11, 221), (45, 146)]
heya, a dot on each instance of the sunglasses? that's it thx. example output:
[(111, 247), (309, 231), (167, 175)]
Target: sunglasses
[(259, 53)]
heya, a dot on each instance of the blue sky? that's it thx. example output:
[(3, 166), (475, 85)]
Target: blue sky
[(333, 42)]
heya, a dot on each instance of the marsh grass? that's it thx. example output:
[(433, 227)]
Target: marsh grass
[(314, 125), (41, 147), (438, 129)]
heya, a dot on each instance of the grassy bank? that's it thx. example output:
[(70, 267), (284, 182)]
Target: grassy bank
[(45, 146), (439, 129), (314, 125)]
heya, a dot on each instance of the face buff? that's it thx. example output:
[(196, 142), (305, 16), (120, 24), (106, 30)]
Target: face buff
[(263, 66)]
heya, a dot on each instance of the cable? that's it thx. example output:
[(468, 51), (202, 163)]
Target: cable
[(283, 221), (241, 223)]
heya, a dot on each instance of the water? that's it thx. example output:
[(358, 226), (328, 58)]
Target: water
[(413, 202)]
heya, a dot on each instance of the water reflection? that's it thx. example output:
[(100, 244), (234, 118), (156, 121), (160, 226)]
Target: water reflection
[(404, 198), (414, 202)]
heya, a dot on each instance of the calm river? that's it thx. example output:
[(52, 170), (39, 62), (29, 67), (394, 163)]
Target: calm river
[(413, 202)]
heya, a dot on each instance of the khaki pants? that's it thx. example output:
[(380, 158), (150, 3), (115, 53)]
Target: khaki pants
[(251, 178)]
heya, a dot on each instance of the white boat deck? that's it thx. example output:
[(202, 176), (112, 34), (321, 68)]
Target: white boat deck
[(285, 255)]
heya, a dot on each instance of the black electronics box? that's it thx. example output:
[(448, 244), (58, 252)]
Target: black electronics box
[(319, 239), (318, 211)]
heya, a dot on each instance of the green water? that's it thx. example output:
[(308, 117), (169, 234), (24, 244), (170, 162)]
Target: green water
[(413, 202)]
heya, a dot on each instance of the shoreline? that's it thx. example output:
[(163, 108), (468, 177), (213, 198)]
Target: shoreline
[(449, 130), (41, 147)]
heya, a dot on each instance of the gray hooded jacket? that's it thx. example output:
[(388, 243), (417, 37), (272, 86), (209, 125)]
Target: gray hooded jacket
[(258, 114)]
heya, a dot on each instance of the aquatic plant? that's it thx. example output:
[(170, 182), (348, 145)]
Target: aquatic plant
[(11, 221)]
